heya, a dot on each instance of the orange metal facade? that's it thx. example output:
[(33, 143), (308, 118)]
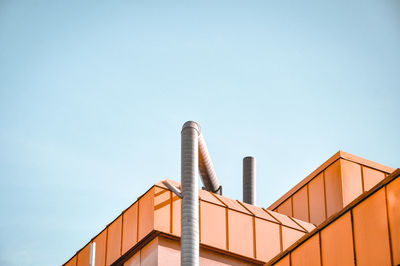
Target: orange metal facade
[(353, 201), (330, 188), (366, 232)]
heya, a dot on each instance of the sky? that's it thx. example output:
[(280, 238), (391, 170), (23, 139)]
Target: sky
[(93, 95)]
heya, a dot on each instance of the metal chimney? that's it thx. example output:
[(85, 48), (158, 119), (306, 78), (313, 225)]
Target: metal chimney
[(190, 201), (249, 180)]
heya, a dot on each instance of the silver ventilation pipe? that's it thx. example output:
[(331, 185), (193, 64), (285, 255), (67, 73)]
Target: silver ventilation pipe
[(249, 180), (206, 168), (190, 205)]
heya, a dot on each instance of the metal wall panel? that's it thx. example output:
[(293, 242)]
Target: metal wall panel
[(130, 226), (300, 204), (232, 204), (393, 202), (176, 215), (146, 213), (371, 177), (337, 242), (162, 209), (371, 235), (114, 241), (316, 195), (286, 207), (149, 254), (213, 225), (134, 260), (83, 256), (207, 196), (101, 241), (285, 261), (333, 189), (240, 233), (285, 220), (351, 181), (259, 212), (267, 239), (307, 254), (71, 262), (290, 236)]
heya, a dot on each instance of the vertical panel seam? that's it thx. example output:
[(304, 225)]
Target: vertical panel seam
[(353, 238), (122, 233), (137, 221), (105, 257), (362, 178), (308, 203), (254, 237), (388, 223), (227, 228), (199, 220), (325, 200), (320, 247), (291, 205), (281, 237), (171, 212)]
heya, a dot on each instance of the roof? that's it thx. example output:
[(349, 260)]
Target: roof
[(228, 225), (329, 188), (365, 231)]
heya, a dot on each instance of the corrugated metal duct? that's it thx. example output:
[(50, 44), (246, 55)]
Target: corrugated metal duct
[(249, 180), (194, 157)]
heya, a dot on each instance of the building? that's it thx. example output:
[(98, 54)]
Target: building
[(346, 212)]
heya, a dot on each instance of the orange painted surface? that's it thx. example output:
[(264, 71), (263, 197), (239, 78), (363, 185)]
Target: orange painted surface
[(162, 209), (307, 226), (213, 225), (100, 240), (232, 204), (84, 256), (290, 236), (283, 219), (134, 260), (114, 241), (351, 181), (300, 204), (207, 196), (286, 208), (324, 166), (176, 215), (267, 239), (316, 193), (371, 235), (71, 262), (149, 254), (337, 242), (393, 201), (130, 226), (259, 212), (240, 233), (371, 177), (333, 189), (283, 262), (308, 253), (146, 213)]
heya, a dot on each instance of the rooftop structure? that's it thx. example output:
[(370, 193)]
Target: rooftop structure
[(346, 212)]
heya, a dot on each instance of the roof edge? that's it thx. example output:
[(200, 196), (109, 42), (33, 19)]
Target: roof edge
[(338, 155)]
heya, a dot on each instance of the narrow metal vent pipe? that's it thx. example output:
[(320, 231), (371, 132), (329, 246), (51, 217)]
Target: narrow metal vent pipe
[(190, 201), (249, 180), (206, 168)]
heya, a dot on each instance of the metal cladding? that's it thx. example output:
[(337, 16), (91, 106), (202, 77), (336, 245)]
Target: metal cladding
[(190, 207), (206, 168), (249, 180)]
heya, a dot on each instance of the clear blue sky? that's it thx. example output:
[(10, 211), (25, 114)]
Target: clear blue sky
[(93, 95)]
